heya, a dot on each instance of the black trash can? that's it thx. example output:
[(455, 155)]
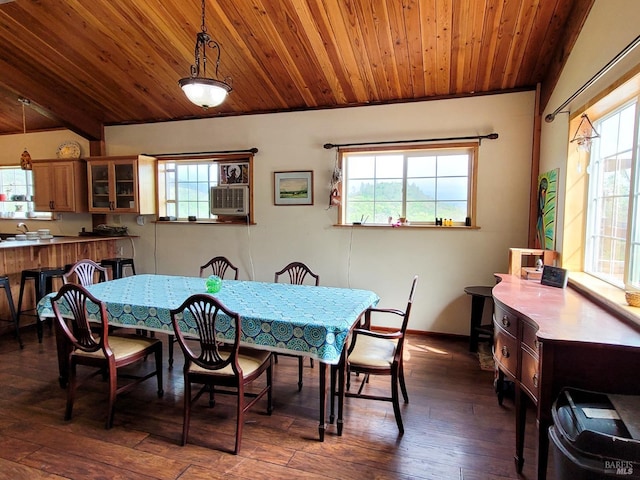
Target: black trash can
[(596, 436)]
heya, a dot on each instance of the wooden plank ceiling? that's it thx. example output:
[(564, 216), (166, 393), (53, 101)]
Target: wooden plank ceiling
[(89, 63)]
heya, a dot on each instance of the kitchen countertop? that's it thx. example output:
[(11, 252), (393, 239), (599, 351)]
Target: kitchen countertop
[(58, 241)]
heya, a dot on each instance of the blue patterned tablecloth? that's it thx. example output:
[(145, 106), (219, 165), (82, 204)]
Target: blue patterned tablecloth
[(308, 320)]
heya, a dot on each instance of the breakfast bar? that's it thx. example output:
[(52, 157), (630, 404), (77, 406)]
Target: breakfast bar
[(18, 255)]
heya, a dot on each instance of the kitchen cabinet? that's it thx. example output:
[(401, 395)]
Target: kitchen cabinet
[(122, 184), (60, 185)]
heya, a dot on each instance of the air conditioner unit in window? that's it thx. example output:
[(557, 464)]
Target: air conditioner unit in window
[(229, 200)]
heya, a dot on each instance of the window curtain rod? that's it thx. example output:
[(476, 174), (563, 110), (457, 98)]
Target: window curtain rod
[(253, 150), (491, 136), (552, 116)]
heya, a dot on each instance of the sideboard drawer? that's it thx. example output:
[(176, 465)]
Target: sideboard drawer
[(529, 337), (530, 380), (506, 320), (505, 351)]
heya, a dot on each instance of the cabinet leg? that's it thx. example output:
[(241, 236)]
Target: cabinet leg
[(543, 448), (521, 418)]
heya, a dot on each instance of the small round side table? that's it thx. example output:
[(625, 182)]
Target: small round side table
[(478, 296)]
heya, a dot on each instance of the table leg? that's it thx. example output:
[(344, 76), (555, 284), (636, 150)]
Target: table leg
[(342, 368), (323, 399), (63, 354)]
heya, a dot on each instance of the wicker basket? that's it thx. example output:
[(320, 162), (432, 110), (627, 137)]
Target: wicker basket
[(633, 298)]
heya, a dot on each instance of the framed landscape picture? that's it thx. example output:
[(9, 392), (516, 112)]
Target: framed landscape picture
[(293, 188)]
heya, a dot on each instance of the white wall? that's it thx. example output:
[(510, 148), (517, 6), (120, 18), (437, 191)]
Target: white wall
[(383, 260), (380, 259), (39, 145), (610, 27), (42, 145)]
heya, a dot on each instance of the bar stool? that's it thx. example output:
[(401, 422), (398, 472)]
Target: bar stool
[(117, 264), (478, 296), (43, 280), (4, 282)]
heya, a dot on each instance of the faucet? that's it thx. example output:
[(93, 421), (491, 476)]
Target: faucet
[(22, 227)]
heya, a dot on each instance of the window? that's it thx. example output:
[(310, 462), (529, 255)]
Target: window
[(16, 190), (421, 184), (612, 250), (187, 186)]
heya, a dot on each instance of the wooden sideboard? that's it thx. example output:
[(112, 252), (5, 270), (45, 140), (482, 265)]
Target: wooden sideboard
[(546, 338)]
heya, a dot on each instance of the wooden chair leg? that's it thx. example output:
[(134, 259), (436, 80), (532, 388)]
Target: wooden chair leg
[(71, 391), (239, 418), (396, 401), (403, 386), (186, 414), (113, 387)]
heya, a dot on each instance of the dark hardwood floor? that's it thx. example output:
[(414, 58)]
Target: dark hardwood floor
[(454, 426)]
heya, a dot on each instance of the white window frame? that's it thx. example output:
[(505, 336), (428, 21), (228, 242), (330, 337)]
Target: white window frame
[(169, 196), (15, 181), (630, 276), (440, 150)]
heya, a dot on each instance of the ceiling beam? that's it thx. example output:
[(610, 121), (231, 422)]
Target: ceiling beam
[(50, 103), (575, 22)]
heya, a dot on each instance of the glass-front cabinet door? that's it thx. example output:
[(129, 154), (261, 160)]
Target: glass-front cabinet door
[(125, 185), (113, 186), (99, 173)]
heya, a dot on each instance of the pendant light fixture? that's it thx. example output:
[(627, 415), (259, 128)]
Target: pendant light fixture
[(202, 90), (25, 158)]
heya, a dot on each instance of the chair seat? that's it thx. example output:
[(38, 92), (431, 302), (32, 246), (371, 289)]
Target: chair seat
[(122, 346), (372, 352), (250, 361)]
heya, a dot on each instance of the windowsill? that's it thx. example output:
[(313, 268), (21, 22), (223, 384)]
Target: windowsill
[(403, 227), (204, 222), (606, 295)]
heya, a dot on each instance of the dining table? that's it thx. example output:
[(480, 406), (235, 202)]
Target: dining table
[(313, 321)]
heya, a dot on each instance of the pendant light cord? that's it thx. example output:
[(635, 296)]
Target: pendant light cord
[(24, 101)]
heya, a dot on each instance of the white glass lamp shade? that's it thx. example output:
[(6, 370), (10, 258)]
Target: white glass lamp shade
[(205, 92)]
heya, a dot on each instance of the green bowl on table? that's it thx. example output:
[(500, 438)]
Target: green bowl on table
[(213, 284)]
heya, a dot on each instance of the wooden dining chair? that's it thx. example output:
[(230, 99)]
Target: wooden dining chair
[(104, 351), (86, 272), (219, 266), (378, 353), (214, 364), (297, 272)]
